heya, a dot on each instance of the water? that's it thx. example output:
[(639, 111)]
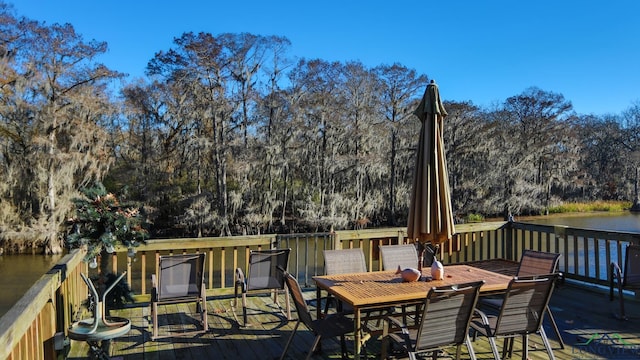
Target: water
[(624, 221), (29, 267)]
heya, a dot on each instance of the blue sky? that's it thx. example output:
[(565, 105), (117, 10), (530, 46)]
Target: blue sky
[(479, 51)]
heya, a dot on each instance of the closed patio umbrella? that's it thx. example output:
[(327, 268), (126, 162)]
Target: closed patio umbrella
[(430, 214)]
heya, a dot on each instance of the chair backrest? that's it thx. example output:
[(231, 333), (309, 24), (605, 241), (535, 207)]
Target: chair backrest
[(429, 254), (344, 261), (537, 263), (403, 255), (180, 276), (264, 269), (524, 304), (304, 315), (446, 315), (631, 277)]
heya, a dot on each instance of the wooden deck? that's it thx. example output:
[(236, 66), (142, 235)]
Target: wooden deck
[(585, 316)]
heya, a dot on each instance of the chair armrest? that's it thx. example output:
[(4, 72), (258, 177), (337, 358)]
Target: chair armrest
[(480, 324), (560, 279), (154, 288), (484, 319), (477, 313), (616, 272), (393, 322), (240, 280)]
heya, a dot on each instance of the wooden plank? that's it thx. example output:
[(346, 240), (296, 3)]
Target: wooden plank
[(48, 324), (204, 242), (573, 308)]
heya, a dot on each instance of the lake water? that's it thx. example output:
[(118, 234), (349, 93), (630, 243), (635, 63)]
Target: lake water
[(625, 221), (32, 267), (29, 267)]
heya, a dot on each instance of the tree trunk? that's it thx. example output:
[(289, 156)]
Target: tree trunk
[(105, 269)]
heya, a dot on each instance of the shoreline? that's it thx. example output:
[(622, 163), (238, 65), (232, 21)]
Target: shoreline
[(567, 215)]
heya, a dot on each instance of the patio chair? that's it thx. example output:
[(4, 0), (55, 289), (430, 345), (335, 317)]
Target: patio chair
[(403, 255), (179, 279), (262, 276), (629, 279), (532, 263), (429, 254), (535, 262), (521, 314), (445, 319), (342, 261), (331, 326), (345, 261)]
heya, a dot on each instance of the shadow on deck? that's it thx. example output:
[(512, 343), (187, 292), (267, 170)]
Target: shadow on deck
[(585, 316)]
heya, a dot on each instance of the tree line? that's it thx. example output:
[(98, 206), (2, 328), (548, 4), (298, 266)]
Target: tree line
[(228, 134)]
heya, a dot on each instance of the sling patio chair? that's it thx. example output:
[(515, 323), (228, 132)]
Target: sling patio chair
[(263, 275), (347, 261), (429, 253), (445, 320), (402, 255), (331, 326), (342, 261), (629, 279), (523, 307), (179, 279), (535, 262), (532, 263)]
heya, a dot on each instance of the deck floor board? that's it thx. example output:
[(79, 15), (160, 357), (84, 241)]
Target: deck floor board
[(585, 317)]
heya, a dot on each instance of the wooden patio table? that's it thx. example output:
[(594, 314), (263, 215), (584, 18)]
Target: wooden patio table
[(382, 289)]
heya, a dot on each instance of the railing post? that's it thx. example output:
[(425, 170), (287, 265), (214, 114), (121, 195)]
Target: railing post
[(337, 245), (508, 245)]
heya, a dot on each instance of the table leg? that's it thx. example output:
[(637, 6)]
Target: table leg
[(318, 306), (356, 333)]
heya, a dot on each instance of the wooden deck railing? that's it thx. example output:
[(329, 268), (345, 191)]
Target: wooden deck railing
[(586, 253), (37, 325)]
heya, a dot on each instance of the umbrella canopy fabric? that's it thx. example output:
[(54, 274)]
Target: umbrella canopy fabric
[(430, 214)]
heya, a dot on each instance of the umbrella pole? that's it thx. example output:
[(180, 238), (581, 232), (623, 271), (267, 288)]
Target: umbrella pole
[(420, 249)]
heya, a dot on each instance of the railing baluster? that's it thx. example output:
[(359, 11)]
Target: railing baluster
[(586, 250), (223, 263), (143, 272), (596, 260)]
